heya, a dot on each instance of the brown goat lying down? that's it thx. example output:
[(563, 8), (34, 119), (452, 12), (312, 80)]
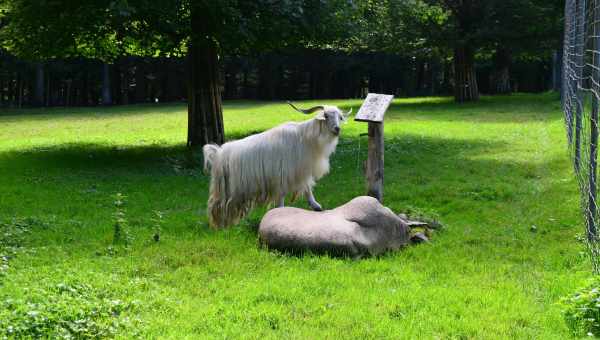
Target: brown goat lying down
[(361, 227)]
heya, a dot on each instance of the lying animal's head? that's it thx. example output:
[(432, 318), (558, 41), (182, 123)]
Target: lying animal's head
[(332, 116)]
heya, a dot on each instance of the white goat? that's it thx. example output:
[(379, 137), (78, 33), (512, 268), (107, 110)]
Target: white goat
[(265, 167)]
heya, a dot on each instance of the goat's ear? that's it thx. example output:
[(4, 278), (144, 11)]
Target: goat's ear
[(320, 115)]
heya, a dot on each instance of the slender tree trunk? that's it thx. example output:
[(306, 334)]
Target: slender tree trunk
[(84, 96), (12, 89), (124, 80), (501, 74), (420, 77), (106, 90), (2, 84), (205, 115), (38, 97), (434, 77), (140, 82), (266, 78), (49, 101), (465, 87), (115, 84), (245, 89), (20, 91), (68, 92), (172, 86)]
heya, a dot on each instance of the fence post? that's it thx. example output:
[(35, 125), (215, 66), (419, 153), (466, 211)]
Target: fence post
[(592, 207), (579, 60)]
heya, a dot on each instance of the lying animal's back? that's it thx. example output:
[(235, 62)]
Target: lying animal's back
[(362, 226), (293, 229)]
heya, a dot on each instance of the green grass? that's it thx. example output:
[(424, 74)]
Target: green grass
[(489, 171)]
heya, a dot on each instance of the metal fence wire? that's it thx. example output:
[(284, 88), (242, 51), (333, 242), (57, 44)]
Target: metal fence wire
[(580, 96)]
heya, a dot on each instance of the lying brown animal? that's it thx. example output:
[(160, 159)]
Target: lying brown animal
[(361, 227)]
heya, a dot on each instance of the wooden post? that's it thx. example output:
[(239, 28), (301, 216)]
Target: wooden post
[(375, 161), (373, 111)]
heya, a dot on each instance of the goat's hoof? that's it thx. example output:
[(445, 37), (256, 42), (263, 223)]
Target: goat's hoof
[(317, 208)]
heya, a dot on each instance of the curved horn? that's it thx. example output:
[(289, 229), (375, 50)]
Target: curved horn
[(346, 115), (308, 111)]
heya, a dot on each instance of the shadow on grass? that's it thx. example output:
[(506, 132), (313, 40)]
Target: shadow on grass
[(419, 171), (131, 109), (448, 177), (102, 157), (83, 111)]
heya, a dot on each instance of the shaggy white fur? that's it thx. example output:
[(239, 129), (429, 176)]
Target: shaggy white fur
[(265, 167)]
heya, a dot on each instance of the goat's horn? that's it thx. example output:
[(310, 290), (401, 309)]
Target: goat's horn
[(307, 111), (347, 114)]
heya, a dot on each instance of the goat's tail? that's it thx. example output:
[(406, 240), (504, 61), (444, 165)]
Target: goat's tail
[(224, 207), (210, 153)]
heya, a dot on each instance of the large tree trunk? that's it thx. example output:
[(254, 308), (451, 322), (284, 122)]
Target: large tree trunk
[(38, 96), (205, 115), (500, 82), (465, 82)]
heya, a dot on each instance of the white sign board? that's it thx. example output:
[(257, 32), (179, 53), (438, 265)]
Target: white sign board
[(374, 107)]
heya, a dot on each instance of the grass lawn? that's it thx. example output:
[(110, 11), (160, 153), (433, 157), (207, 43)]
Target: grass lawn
[(489, 171)]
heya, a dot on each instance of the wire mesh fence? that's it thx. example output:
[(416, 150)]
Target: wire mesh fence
[(580, 96)]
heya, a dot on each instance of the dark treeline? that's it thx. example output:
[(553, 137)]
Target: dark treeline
[(307, 75)]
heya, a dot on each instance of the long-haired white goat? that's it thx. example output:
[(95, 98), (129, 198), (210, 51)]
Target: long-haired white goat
[(265, 167)]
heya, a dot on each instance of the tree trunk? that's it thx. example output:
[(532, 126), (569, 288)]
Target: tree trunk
[(421, 71), (20, 91), (266, 78), (12, 89), (38, 97), (465, 82), (205, 115), (124, 80), (140, 82), (501, 74), (68, 93), (116, 90), (172, 86), (434, 77), (49, 88), (2, 90), (84, 95), (106, 90)]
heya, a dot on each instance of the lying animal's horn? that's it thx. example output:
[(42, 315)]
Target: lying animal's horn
[(347, 114), (308, 111)]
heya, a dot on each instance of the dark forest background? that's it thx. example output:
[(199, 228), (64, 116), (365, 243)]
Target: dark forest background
[(272, 76)]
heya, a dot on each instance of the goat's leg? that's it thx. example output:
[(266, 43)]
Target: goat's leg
[(314, 205), (281, 201)]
